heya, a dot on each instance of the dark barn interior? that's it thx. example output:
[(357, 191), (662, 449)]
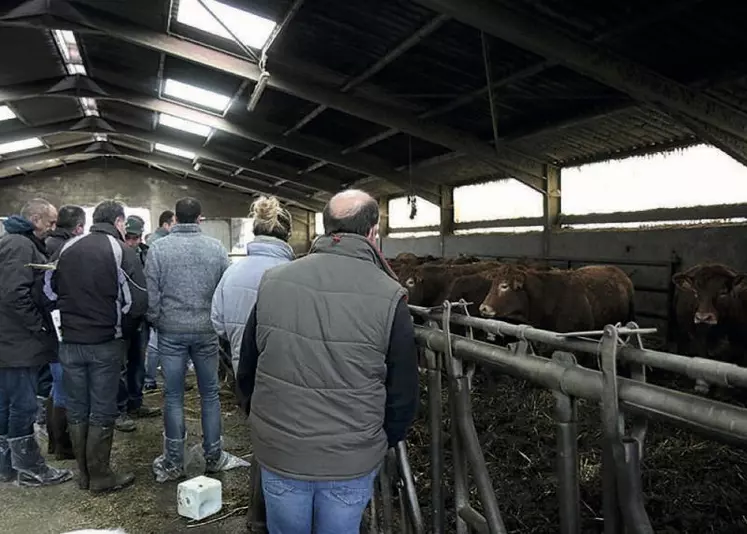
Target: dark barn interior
[(149, 101)]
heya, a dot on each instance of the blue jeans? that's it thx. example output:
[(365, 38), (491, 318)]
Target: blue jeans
[(18, 401), (44, 381), (130, 394), (152, 359), (202, 349), (324, 507), (90, 376), (58, 390)]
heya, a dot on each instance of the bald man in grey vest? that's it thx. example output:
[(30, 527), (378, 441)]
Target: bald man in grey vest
[(328, 374)]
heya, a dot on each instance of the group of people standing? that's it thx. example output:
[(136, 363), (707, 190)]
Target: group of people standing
[(323, 349), (86, 310)]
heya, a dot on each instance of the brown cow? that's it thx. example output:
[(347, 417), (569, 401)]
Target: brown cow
[(587, 298), (705, 308), (426, 284)]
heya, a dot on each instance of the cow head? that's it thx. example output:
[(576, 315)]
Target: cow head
[(507, 298), (710, 286)]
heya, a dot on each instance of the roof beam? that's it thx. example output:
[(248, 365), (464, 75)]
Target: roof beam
[(182, 166), (276, 171), (526, 167), (259, 131), (640, 82), (354, 81)]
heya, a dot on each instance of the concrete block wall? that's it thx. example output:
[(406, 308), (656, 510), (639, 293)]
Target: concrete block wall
[(137, 186)]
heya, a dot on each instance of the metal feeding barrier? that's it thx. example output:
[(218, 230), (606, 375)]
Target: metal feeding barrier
[(621, 398), (627, 403)]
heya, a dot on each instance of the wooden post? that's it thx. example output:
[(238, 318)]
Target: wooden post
[(551, 211), (446, 227)]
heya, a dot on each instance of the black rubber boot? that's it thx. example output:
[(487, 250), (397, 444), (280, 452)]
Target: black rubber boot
[(51, 436), (63, 448), (98, 456), (7, 473), (28, 462), (79, 438)]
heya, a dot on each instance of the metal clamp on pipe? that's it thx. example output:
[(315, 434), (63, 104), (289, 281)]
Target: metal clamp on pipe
[(622, 499)]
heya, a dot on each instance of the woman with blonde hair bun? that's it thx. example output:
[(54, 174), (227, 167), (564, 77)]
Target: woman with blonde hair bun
[(237, 291)]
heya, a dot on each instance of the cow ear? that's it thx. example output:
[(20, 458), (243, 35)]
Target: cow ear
[(739, 284), (682, 281)]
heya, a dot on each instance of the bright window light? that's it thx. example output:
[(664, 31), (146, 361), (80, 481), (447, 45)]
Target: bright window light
[(318, 224), (6, 113), (175, 151), (428, 214), (184, 125), (196, 95), (75, 68), (23, 144), (250, 29), (89, 107), (100, 137)]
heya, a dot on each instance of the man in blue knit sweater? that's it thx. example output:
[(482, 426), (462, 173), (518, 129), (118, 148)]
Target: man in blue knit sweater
[(182, 272)]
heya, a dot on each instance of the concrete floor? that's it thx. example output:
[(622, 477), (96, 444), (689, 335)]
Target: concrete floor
[(144, 508)]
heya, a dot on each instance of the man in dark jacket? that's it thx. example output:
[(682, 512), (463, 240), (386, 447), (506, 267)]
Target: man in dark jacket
[(330, 389), (166, 221), (130, 396), (27, 341), (71, 222), (99, 287)]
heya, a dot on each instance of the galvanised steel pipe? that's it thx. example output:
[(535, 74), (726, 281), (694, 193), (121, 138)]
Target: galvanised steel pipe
[(435, 418), (567, 462), (713, 419), (713, 372)]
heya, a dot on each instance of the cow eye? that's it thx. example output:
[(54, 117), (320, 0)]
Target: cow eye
[(410, 282), (503, 286)]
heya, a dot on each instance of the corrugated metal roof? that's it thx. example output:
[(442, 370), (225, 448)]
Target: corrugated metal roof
[(548, 114)]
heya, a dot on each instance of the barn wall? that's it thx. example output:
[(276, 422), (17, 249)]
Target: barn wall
[(134, 185), (693, 245)]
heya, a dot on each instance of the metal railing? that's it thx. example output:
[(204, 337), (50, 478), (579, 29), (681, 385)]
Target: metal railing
[(623, 444), (627, 405)]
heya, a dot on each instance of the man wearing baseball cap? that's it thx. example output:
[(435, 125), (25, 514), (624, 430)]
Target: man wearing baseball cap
[(130, 396)]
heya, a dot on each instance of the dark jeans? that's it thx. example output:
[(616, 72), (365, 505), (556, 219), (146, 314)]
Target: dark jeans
[(44, 381), (91, 378), (18, 401), (130, 394)]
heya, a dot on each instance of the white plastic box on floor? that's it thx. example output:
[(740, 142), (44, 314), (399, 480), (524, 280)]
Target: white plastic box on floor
[(199, 497)]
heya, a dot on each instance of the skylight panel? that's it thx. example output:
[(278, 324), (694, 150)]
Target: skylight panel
[(6, 113), (184, 125), (174, 151), (89, 107), (252, 30), (100, 137), (196, 95), (23, 144), (75, 68)]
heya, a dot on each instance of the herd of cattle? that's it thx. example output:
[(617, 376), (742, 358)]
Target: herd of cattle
[(710, 300)]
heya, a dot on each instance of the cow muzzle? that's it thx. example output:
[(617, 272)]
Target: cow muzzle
[(705, 318), (487, 311)]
